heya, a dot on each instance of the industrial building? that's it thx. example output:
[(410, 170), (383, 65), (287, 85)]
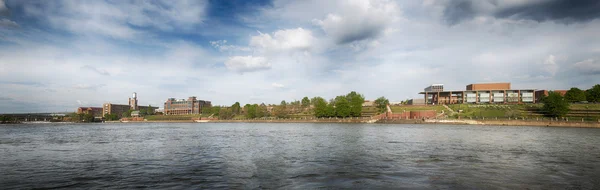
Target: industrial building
[(119, 109), (183, 107), (95, 111), (492, 93)]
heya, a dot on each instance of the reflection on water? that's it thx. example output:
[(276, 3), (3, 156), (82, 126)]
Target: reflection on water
[(297, 156)]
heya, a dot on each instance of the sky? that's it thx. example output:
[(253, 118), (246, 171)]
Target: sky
[(58, 55)]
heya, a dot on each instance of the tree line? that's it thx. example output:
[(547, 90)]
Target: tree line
[(349, 105), (556, 105)]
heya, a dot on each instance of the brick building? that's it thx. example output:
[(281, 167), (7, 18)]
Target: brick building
[(542, 93), (183, 107), (95, 111), (119, 109), (493, 93)]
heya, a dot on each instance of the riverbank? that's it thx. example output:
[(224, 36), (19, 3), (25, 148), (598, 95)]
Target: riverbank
[(497, 122), (399, 121)]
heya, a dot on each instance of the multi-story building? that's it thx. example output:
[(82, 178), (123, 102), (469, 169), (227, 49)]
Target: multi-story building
[(119, 109), (495, 93), (95, 111), (182, 106)]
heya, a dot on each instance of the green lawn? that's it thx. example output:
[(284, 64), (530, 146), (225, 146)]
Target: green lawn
[(170, 117), (399, 109)]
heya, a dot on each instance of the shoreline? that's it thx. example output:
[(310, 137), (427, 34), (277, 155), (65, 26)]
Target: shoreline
[(574, 124)]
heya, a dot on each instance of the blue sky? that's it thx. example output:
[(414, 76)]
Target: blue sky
[(59, 55)]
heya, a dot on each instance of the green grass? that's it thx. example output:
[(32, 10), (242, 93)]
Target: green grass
[(171, 117), (399, 109), (585, 107)]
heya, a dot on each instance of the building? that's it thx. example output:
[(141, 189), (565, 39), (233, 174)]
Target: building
[(184, 107), (95, 111), (435, 88), (493, 93), (368, 103), (119, 109), (543, 93), (489, 86), (416, 102)]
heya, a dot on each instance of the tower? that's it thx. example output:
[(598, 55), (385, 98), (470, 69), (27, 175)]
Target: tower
[(133, 103)]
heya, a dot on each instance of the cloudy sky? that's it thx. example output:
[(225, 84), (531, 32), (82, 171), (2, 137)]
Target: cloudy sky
[(58, 55)]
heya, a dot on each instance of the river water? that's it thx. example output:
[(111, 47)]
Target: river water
[(297, 156)]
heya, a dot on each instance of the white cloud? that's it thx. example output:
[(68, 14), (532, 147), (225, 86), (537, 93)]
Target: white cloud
[(359, 20), (247, 63), (88, 86), (550, 65), (288, 39), (588, 66), (277, 85), (222, 46), (119, 19)]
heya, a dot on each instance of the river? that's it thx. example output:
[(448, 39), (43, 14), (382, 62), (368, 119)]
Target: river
[(297, 156)]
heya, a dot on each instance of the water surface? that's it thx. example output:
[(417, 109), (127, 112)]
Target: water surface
[(297, 156)]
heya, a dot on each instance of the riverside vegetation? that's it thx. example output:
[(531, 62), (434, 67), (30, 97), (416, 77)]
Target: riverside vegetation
[(576, 104)]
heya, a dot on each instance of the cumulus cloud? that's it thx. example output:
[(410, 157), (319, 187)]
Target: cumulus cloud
[(549, 65), (564, 11), (358, 20), (244, 64), (287, 39), (589, 66)]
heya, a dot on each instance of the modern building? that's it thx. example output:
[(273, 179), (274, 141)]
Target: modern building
[(95, 111), (492, 93), (435, 88), (119, 109), (183, 107)]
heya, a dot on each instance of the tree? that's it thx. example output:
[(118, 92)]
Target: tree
[(305, 102), (555, 105), (593, 94), (215, 110), (5, 119), (355, 101), (111, 117), (280, 112), (250, 111), (381, 104), (342, 107), (225, 114), (261, 110), (149, 110), (575, 95), (127, 113), (235, 108), (283, 103), (320, 107), (88, 117)]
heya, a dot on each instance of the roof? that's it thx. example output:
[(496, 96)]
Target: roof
[(448, 91)]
